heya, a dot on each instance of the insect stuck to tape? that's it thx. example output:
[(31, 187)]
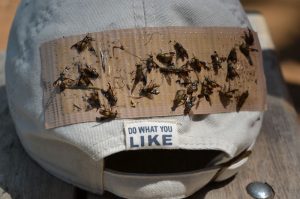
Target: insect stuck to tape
[(197, 65), (63, 82), (217, 62), (245, 46), (231, 72), (84, 81), (107, 114), (184, 81), (166, 58), (231, 61), (207, 87), (182, 72), (193, 87), (93, 101), (110, 95), (180, 98), (226, 95), (189, 103), (88, 71), (181, 53), (232, 57), (149, 90), (248, 37), (240, 100), (140, 76), (150, 64), (85, 43)]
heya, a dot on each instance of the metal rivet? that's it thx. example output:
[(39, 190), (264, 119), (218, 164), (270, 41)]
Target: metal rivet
[(260, 190)]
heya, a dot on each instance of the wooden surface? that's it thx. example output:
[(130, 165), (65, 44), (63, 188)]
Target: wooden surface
[(276, 156)]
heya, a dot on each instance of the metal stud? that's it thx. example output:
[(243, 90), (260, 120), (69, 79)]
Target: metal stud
[(260, 190)]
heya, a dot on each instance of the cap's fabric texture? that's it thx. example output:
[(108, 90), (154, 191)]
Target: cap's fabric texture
[(75, 153)]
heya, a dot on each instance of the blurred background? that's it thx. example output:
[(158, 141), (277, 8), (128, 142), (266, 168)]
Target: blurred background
[(282, 16)]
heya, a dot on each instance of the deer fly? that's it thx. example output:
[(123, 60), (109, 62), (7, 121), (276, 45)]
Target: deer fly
[(150, 90), (217, 62), (180, 98), (89, 71), (150, 64), (245, 47), (63, 82), (110, 95), (140, 76), (189, 103), (193, 87), (240, 100), (181, 53), (107, 114), (93, 101), (85, 43), (226, 95), (166, 58), (196, 64), (207, 87)]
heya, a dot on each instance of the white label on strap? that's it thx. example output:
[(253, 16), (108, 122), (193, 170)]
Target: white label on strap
[(150, 135)]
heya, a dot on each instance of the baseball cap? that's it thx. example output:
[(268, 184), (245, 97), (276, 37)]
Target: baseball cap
[(95, 156)]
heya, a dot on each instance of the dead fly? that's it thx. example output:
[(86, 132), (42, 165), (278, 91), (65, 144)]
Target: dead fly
[(84, 81), (245, 49), (240, 100), (184, 81), (245, 46), (226, 96), (166, 58), (248, 37), (85, 43), (193, 87), (232, 57), (196, 64), (107, 114), (181, 53), (149, 90), (110, 95), (93, 101), (167, 76), (63, 82), (189, 103), (180, 98), (180, 72), (150, 64), (88, 71), (207, 87), (211, 83), (206, 91), (217, 62), (140, 76), (231, 72)]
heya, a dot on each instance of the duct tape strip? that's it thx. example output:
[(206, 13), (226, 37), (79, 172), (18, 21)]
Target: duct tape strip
[(151, 72)]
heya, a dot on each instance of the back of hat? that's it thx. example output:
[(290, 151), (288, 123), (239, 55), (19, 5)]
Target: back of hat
[(177, 154)]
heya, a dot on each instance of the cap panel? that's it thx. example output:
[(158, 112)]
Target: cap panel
[(177, 185), (61, 157)]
